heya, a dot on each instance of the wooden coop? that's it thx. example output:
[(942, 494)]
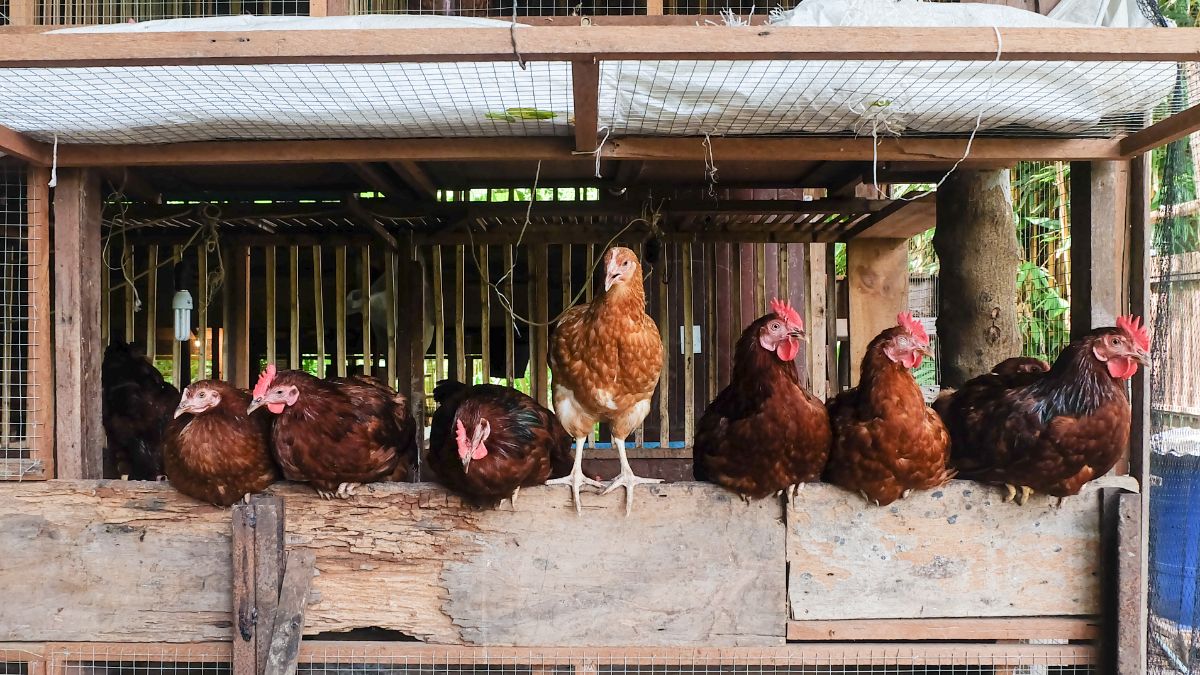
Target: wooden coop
[(419, 249)]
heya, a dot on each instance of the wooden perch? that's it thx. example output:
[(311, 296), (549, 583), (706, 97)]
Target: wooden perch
[(372, 222), (289, 614)]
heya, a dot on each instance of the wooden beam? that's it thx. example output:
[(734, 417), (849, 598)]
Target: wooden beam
[(416, 178), (41, 329), (24, 12), (445, 45), (1132, 580), (132, 184), (25, 148), (1170, 129), (245, 630), (898, 220), (945, 630), (237, 332), (269, 530), (763, 149), (289, 615), (375, 178), (1099, 191), (80, 435), (877, 272), (585, 87)]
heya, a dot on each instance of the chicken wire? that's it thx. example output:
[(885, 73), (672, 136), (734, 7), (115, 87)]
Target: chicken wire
[(20, 456), (89, 12), (381, 658)]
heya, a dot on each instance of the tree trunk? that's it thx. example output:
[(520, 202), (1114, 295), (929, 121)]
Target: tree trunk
[(976, 244)]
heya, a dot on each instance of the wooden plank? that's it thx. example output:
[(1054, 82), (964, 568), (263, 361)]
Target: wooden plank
[(416, 178), (1099, 209), (485, 314), (41, 428), (688, 345), (539, 346), (48, 50), (510, 347), (460, 315), (129, 267), (178, 347), (237, 333), (294, 308), (729, 149), (878, 280), (945, 630), (713, 295), (439, 317), (364, 257), (202, 310), (816, 320), (443, 589), (339, 309), (935, 553), (585, 87), (319, 310), (24, 12), (289, 616), (271, 272), (1132, 581), (1163, 132), (414, 301), (151, 302), (268, 570), (245, 633), (21, 146), (79, 433), (105, 297), (664, 331), (391, 302), (899, 220)]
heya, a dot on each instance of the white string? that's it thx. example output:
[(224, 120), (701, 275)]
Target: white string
[(54, 165), (597, 151), (987, 96), (710, 166)]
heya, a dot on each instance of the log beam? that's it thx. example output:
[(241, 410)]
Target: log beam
[(416, 178), (877, 272), (977, 246), (41, 328), (1099, 192), (23, 147), (80, 435), (585, 85)]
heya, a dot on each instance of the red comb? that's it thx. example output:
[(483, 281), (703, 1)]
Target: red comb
[(264, 381), (913, 326), (784, 311), (1132, 325)]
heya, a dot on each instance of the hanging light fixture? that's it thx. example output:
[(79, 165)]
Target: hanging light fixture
[(182, 304)]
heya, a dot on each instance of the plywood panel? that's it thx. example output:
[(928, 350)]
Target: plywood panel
[(131, 561), (953, 552)]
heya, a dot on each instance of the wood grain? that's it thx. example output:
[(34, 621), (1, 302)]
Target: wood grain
[(878, 284), (953, 552), (41, 327)]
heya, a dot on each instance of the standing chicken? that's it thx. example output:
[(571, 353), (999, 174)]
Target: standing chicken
[(488, 441), (606, 357), (764, 432), (214, 450), (886, 441), (336, 434), (136, 404), (1050, 432)]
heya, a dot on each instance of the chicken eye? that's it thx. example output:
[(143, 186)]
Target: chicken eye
[(625, 264), (202, 395)]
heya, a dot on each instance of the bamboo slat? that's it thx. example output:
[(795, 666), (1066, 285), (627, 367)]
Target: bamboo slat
[(711, 297), (294, 312), (390, 300), (439, 318), (541, 315), (664, 381), (460, 315), (319, 310), (151, 302), (271, 271), (105, 295), (689, 357), (129, 267), (368, 353), (176, 348), (485, 314), (339, 310), (202, 315), (760, 279), (510, 348)]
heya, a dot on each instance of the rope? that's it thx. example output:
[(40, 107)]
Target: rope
[(54, 164), (512, 34), (597, 151)]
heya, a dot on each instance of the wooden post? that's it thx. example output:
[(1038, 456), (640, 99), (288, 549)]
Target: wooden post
[(1099, 191), (977, 245), (271, 272), (245, 651), (80, 434), (40, 428), (539, 346), (294, 308), (237, 332), (289, 615), (816, 324), (877, 271), (24, 12), (268, 569), (151, 303), (339, 310)]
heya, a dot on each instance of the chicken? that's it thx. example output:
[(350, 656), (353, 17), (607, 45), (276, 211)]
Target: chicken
[(764, 432), (1016, 370), (214, 450), (886, 441), (1049, 432), (136, 404), (337, 434), (605, 357), (488, 441)]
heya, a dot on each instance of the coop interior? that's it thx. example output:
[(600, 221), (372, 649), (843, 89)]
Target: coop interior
[(381, 196)]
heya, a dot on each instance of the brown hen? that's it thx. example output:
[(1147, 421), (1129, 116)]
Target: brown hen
[(764, 432), (1049, 432), (488, 441), (606, 357), (337, 434), (886, 441), (214, 450)]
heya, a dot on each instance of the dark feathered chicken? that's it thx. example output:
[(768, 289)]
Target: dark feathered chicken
[(337, 434), (488, 441), (764, 432), (214, 450), (1049, 432), (886, 441), (136, 403)]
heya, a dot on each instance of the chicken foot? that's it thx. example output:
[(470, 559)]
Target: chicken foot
[(512, 499), (344, 491), (1013, 495), (576, 477), (627, 479)]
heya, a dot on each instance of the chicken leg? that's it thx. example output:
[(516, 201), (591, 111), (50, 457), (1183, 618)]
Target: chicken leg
[(576, 477), (627, 479)]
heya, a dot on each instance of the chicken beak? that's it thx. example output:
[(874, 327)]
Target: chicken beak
[(466, 462), (798, 333), (610, 280), (255, 404), (1141, 356), (180, 410)]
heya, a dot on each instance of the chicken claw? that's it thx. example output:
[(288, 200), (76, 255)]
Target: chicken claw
[(325, 494), (628, 480), (576, 477), (512, 499), (1019, 497), (346, 490)]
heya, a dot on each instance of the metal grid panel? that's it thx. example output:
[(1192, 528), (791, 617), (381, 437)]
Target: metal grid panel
[(179, 104), (500, 8), (21, 454), (89, 12), (886, 97), (1041, 206)]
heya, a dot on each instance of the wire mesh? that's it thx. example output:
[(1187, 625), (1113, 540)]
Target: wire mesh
[(90, 12), (500, 8), (1041, 205), (139, 105), (20, 456)]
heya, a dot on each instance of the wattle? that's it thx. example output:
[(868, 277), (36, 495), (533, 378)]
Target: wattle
[(788, 349), (276, 408), (1120, 367)]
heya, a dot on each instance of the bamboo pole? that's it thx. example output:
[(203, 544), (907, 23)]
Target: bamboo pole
[(176, 347), (271, 270), (485, 314), (319, 311), (539, 349), (202, 315), (294, 308), (460, 311), (368, 353), (339, 309), (393, 353), (710, 321), (664, 382), (152, 302), (105, 296), (510, 348), (130, 290), (689, 355), (439, 318)]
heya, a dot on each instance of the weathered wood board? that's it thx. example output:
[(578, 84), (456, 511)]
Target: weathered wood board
[(953, 552), (122, 561)]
